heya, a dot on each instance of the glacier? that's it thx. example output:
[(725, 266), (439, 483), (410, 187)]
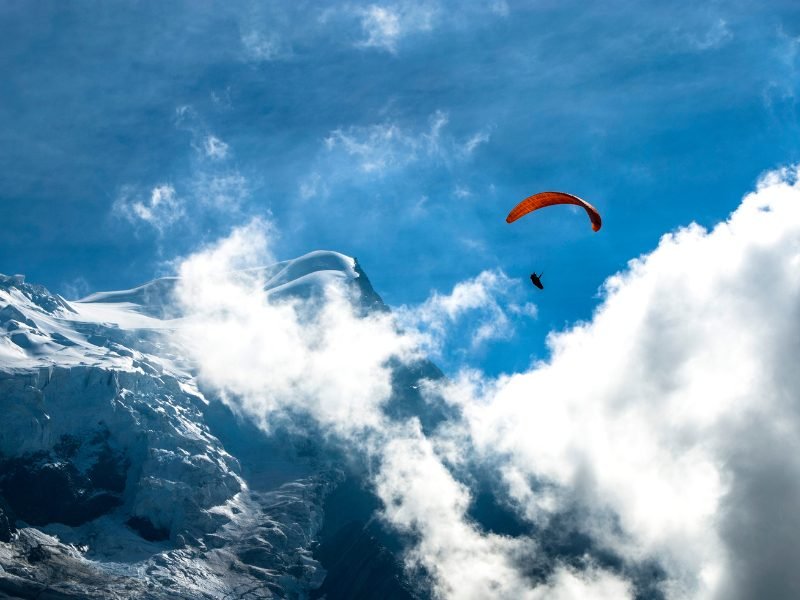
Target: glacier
[(120, 477)]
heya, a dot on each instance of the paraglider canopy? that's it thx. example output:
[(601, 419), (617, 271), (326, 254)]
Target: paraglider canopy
[(542, 199)]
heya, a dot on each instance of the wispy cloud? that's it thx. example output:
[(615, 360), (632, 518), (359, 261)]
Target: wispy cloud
[(312, 186), (205, 143), (780, 92), (482, 137), (220, 191), (211, 188), (75, 289), (392, 25), (708, 37), (215, 147), (159, 208), (385, 147), (260, 46), (462, 191), (385, 26)]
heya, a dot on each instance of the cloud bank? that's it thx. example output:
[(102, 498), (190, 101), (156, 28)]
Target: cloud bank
[(664, 430)]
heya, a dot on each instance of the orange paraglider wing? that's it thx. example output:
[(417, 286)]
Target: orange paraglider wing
[(542, 199)]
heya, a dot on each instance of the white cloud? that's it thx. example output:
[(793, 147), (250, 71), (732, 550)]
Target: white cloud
[(215, 148), (385, 26), (205, 144), (482, 137), (388, 26), (220, 192), (461, 192), (714, 36), (645, 412), (271, 359), (420, 208), (780, 90), (184, 113), (667, 428), (422, 498), (263, 47), (484, 302), (75, 289), (385, 147), (382, 27), (318, 357), (208, 192), (528, 309), (222, 98), (211, 188), (160, 209), (312, 186), (717, 35), (377, 148)]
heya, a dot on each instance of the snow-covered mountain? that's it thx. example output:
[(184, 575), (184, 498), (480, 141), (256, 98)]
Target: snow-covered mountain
[(121, 478)]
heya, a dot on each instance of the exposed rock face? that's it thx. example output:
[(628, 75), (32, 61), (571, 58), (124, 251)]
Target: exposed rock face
[(76, 436), (6, 525)]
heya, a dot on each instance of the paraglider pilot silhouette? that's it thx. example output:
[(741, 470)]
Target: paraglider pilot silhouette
[(544, 199)]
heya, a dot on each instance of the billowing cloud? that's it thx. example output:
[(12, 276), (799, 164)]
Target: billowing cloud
[(671, 418), (665, 430), (271, 359), (315, 356), (485, 306)]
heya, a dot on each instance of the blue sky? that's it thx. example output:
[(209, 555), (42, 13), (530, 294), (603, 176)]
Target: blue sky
[(397, 132)]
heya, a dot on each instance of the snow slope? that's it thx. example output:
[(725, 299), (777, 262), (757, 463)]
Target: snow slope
[(116, 478)]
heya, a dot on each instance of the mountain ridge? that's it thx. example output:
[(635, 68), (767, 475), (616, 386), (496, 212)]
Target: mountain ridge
[(115, 481)]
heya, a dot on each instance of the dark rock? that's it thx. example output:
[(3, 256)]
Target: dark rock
[(359, 567), (37, 554), (370, 300), (361, 559), (67, 446), (13, 316), (6, 526), (15, 588), (110, 472), (145, 528), (41, 490), (258, 557)]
